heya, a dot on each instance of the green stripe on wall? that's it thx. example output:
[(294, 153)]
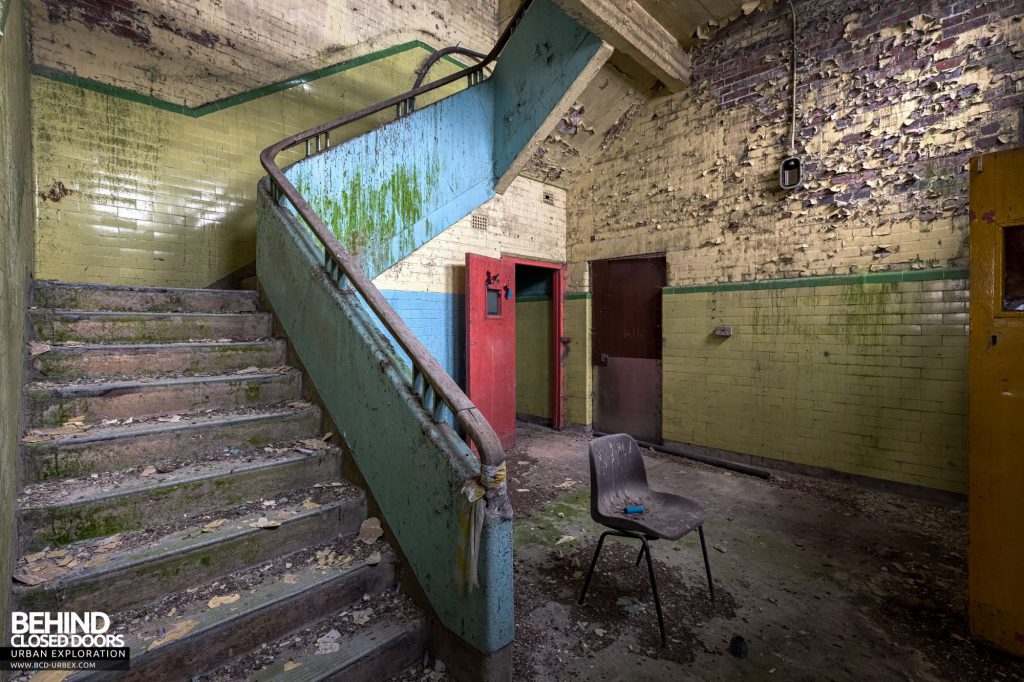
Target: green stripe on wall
[(531, 299), (577, 296), (826, 281), (234, 100)]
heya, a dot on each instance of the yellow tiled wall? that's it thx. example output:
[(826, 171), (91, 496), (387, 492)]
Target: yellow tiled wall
[(131, 193), (533, 357), (578, 389), (868, 379), (15, 270)]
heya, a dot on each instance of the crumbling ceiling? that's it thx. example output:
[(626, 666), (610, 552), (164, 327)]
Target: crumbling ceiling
[(693, 20)]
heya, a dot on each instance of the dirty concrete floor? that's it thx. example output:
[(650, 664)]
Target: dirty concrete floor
[(824, 581)]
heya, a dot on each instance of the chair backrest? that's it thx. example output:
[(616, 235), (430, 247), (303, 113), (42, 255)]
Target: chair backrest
[(616, 472)]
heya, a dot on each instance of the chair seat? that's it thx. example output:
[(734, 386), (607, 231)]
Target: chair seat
[(665, 516)]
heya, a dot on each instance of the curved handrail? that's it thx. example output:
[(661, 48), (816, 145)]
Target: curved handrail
[(438, 55), (428, 375)]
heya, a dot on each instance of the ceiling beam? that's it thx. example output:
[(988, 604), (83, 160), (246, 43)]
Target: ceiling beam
[(630, 29)]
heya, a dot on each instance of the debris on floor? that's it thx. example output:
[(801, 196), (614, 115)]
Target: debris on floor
[(813, 579)]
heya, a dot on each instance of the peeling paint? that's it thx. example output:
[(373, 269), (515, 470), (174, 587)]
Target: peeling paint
[(891, 104), (200, 52), (123, 18), (56, 192)]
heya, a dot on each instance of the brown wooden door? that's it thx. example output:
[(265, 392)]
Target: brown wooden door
[(996, 571), (626, 346)]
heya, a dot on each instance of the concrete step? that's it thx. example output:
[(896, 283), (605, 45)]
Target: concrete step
[(378, 652), (273, 610), (49, 405), (60, 326), (52, 515), (192, 556), (154, 442), (115, 361), (77, 296)]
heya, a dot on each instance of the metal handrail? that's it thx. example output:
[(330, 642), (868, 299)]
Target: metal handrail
[(432, 384)]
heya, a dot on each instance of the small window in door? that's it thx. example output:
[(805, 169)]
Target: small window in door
[(1013, 269), (494, 302)]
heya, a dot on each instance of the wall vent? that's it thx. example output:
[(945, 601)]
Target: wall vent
[(549, 198), (479, 222)]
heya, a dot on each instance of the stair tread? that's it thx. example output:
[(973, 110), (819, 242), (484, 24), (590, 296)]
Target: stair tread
[(272, 589), (85, 387), (241, 293), (68, 435), (100, 556), (70, 362), (208, 343), (199, 625), (128, 314), (85, 490), (352, 649)]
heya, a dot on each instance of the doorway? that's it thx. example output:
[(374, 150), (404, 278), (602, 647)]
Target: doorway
[(535, 348), (627, 344), (498, 381)]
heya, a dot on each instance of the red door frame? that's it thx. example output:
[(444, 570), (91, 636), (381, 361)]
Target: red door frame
[(557, 330)]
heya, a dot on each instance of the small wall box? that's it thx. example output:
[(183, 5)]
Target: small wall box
[(723, 331), (790, 172)]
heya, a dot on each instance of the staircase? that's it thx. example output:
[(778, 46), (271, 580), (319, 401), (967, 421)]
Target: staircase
[(175, 478)]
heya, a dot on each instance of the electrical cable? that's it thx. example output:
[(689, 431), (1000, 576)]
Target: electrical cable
[(792, 84)]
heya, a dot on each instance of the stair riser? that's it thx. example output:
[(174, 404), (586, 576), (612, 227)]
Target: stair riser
[(46, 461), (61, 525), (51, 408), (76, 297), (68, 364), (124, 587), (202, 651), (161, 328)]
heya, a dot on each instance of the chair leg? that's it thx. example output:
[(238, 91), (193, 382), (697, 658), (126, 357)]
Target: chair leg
[(707, 564), (653, 588), (593, 563), (640, 555)]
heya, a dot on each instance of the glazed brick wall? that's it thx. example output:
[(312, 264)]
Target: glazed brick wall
[(15, 271), (192, 52), (892, 98), (866, 378)]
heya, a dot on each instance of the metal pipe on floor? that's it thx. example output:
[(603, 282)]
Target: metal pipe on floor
[(713, 461)]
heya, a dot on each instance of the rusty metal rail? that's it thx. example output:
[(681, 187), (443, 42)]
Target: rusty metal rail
[(431, 383)]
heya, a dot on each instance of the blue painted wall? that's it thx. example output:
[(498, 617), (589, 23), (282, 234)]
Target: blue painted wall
[(387, 192), (546, 55), (439, 321)]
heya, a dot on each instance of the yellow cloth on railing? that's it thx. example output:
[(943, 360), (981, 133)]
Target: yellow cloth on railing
[(489, 485)]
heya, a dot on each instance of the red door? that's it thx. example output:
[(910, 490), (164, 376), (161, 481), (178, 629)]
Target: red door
[(491, 342)]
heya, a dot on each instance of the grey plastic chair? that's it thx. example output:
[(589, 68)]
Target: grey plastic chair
[(618, 479)]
